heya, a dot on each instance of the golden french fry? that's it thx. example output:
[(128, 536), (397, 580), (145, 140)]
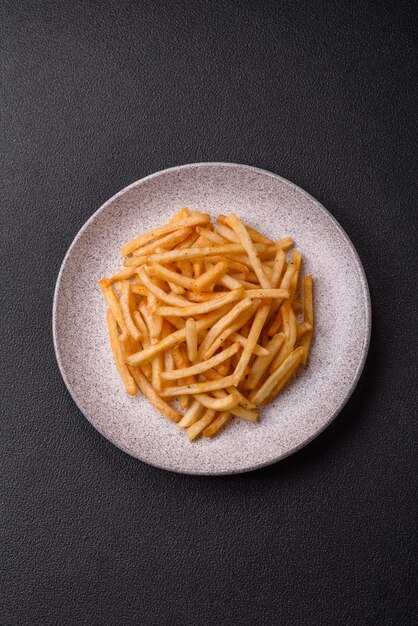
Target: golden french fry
[(149, 392), (180, 254), (208, 278), (213, 375), (210, 235), (266, 293), (239, 411), (205, 295), (229, 282), (216, 425), (297, 262), (196, 219), (127, 307), (238, 227), (195, 388), (198, 427), (223, 323), (290, 332), (282, 383), (258, 350), (182, 214), (165, 243), (308, 315), (226, 403), (192, 414), (277, 269), (191, 339), (268, 386), (123, 370), (202, 307), (262, 363), (198, 368), (113, 303), (142, 327), (303, 328), (254, 234), (230, 328), (256, 328), (157, 368), (159, 293)]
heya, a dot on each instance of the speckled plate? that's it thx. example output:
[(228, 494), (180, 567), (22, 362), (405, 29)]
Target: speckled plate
[(277, 208)]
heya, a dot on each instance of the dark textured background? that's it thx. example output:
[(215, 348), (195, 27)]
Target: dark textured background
[(98, 94)]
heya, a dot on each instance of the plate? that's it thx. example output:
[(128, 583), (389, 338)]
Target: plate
[(274, 206)]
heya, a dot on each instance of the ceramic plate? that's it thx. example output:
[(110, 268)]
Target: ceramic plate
[(274, 206)]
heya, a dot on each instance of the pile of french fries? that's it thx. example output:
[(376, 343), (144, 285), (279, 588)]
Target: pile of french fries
[(208, 319)]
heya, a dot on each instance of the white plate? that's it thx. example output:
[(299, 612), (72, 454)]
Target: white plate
[(274, 206)]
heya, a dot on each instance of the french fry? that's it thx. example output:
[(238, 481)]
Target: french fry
[(290, 332), (213, 375), (296, 261), (198, 368), (277, 269), (124, 372), (157, 368), (159, 293), (266, 293), (226, 403), (258, 350), (182, 214), (202, 307), (165, 243), (303, 328), (222, 324), (191, 339), (192, 414), (149, 392), (308, 315), (262, 363), (210, 277), (195, 388), (195, 253), (127, 308), (198, 427), (268, 386), (254, 234), (210, 235), (196, 219), (113, 303), (142, 327), (257, 325), (248, 415), (240, 230), (230, 328), (215, 426)]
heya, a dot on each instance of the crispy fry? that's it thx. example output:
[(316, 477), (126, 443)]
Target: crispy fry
[(238, 227), (290, 331), (271, 382), (215, 426), (257, 325), (195, 219), (128, 307), (266, 293), (192, 414), (208, 278), (202, 307), (198, 368), (223, 323), (113, 303), (195, 388), (165, 243), (262, 363), (277, 269), (308, 315), (159, 293), (226, 403), (195, 253), (182, 214), (125, 375), (303, 328), (191, 339), (198, 427), (296, 261), (149, 392), (209, 235), (254, 234)]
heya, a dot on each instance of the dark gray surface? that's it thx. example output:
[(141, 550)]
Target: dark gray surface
[(96, 95)]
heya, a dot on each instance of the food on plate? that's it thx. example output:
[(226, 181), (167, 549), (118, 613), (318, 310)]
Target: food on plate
[(208, 321)]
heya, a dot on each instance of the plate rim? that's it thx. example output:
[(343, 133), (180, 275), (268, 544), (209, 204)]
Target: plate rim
[(364, 348)]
